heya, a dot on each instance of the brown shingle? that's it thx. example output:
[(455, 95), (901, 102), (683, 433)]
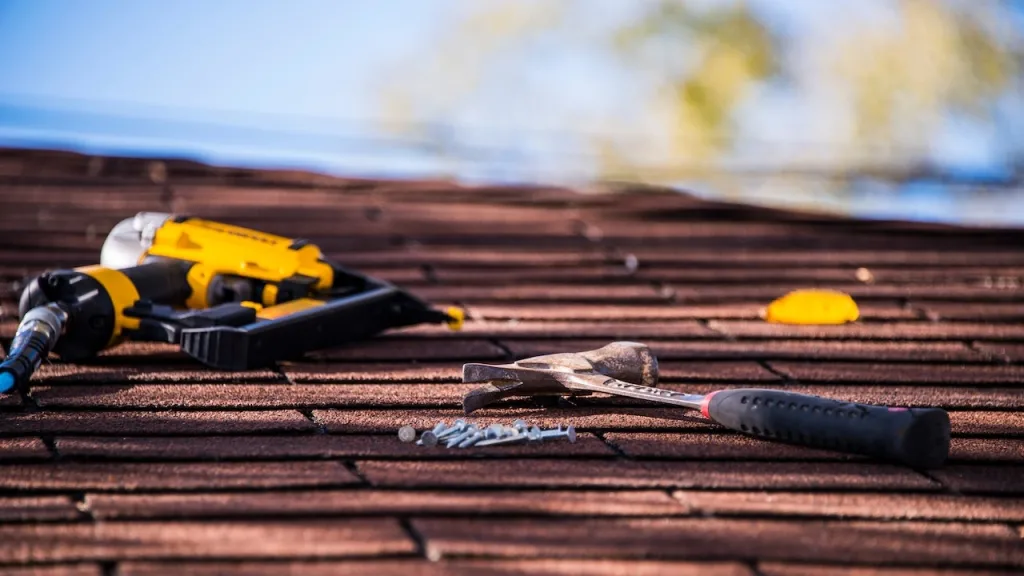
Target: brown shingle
[(814, 258), (177, 476), (987, 423), (309, 372), (414, 349), (111, 200), (11, 400), (855, 505), (170, 422), (770, 350), (673, 311), (713, 446), (974, 312), (55, 570), (305, 446), (549, 329), (602, 273), (900, 373), (152, 540), (941, 275), (495, 257), (875, 331), (784, 569), (555, 567), (685, 275), (669, 371), (386, 502), (902, 542), (454, 567), (63, 374), (976, 479), (987, 449), (589, 473), (1009, 351), (638, 293), (46, 508), (273, 396), (23, 448)]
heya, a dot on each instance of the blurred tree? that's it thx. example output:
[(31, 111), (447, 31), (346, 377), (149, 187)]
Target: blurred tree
[(708, 61), (890, 74), (941, 58)]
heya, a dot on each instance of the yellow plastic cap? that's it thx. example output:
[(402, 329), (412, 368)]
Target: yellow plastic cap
[(812, 307), (458, 318)]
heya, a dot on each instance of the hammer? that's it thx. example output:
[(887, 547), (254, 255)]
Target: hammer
[(916, 437)]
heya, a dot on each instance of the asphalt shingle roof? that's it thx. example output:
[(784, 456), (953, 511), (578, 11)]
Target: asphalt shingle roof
[(143, 462)]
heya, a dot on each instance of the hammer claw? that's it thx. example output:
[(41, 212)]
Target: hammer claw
[(560, 374)]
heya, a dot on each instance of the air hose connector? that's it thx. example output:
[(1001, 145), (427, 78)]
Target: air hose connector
[(36, 336)]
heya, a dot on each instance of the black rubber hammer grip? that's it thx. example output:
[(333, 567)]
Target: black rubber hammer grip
[(917, 437)]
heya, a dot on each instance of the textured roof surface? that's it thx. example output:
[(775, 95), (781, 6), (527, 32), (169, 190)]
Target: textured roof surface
[(142, 460)]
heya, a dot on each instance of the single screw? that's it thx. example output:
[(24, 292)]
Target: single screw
[(534, 434), (513, 438), (459, 426), (437, 430), (476, 437), (406, 433), (569, 433), (520, 426), (469, 431)]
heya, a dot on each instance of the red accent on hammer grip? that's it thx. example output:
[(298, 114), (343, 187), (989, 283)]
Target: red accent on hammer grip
[(707, 402)]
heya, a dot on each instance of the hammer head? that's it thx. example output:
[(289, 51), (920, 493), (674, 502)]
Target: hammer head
[(548, 375)]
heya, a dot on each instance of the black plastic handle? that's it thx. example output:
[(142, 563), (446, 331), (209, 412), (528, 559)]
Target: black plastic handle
[(917, 437)]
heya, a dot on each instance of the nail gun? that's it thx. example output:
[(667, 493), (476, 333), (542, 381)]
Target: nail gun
[(231, 297)]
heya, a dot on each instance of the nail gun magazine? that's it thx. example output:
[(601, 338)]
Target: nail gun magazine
[(230, 297)]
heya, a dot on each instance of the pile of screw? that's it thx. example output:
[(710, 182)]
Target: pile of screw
[(462, 434)]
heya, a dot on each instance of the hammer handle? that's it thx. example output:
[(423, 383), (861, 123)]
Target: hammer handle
[(911, 436)]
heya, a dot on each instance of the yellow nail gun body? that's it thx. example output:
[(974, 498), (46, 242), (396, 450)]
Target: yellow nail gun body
[(231, 297)]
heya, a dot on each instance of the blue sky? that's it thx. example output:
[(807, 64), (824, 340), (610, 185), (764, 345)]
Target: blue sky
[(187, 66), (239, 56)]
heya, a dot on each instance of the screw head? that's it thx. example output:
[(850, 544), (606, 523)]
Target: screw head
[(406, 433), (571, 434), (429, 438)]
